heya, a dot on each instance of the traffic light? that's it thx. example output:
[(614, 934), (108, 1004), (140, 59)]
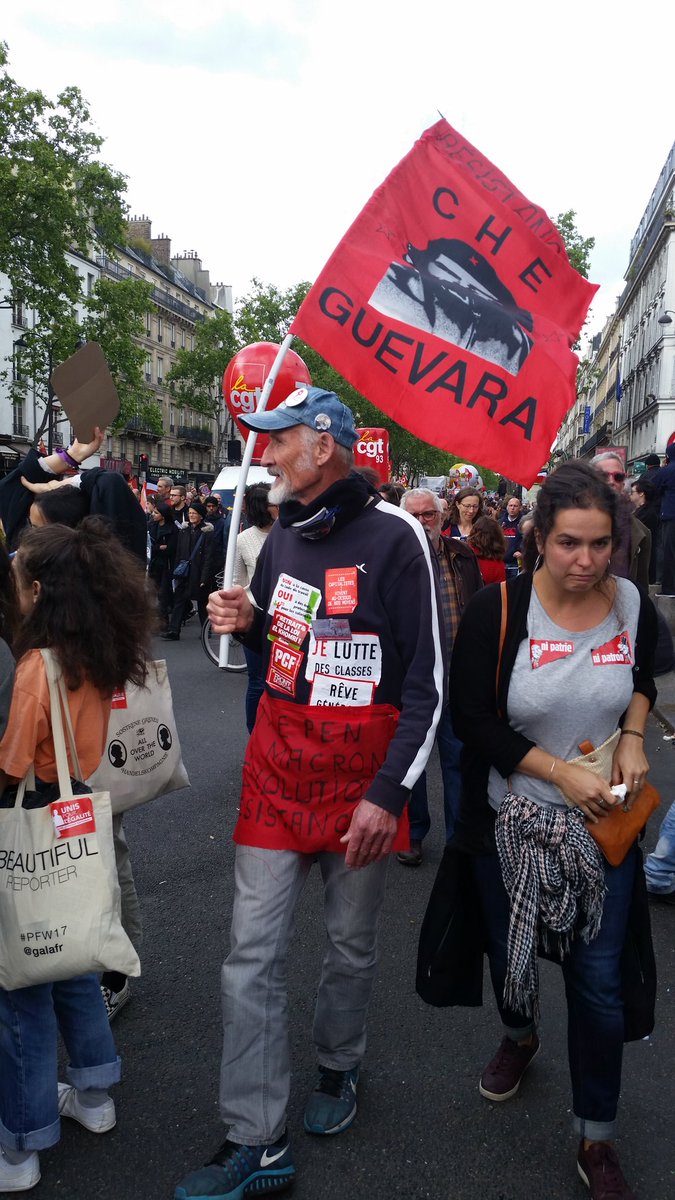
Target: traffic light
[(142, 468)]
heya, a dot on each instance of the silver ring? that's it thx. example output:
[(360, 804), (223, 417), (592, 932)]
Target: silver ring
[(602, 802)]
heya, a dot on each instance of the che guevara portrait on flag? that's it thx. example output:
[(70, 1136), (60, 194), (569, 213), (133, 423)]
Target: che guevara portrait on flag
[(451, 290), (451, 304)]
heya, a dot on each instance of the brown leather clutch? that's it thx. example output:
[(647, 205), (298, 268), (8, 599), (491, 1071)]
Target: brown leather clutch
[(616, 833)]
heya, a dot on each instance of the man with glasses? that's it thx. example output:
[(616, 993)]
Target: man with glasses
[(460, 577), (178, 499), (630, 559)]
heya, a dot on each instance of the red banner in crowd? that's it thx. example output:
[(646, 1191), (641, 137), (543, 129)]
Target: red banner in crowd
[(451, 304), (372, 450)]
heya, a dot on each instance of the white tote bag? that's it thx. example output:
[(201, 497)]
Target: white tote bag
[(59, 895), (142, 758)]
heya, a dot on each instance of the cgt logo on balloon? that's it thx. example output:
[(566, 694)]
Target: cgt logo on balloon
[(244, 379), (372, 450)]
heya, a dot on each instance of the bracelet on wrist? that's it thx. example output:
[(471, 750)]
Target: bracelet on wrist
[(553, 765), (67, 458), (633, 733)]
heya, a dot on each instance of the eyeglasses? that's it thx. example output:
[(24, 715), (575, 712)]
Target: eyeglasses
[(617, 476), (470, 507), (427, 515)]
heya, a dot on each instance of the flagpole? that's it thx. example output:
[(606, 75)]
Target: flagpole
[(223, 651)]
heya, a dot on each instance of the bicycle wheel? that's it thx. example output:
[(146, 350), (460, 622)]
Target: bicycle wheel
[(211, 646)]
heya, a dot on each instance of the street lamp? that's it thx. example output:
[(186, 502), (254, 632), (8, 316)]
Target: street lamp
[(666, 317)]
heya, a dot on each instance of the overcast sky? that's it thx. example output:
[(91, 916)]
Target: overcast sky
[(253, 131)]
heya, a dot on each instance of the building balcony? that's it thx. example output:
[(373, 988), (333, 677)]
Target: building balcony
[(162, 299), (140, 428), (20, 430), (195, 435)]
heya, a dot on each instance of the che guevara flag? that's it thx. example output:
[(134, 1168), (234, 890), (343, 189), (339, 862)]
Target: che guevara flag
[(451, 305)]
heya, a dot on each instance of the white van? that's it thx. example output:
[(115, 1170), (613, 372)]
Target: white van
[(226, 483)]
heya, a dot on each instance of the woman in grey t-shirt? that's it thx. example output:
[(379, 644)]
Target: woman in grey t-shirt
[(575, 666)]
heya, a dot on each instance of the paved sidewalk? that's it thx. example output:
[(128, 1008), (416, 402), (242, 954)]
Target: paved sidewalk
[(664, 709)]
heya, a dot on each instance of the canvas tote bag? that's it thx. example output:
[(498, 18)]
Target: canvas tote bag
[(59, 895), (142, 758)]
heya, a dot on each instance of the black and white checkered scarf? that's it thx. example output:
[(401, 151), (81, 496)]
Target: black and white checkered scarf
[(554, 874)]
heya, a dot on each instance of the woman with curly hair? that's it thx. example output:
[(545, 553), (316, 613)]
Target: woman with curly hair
[(489, 545), (466, 507), (82, 595)]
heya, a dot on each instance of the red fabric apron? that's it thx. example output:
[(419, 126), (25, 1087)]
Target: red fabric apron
[(305, 770)]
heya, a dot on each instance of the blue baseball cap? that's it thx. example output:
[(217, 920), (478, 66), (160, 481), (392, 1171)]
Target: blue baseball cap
[(318, 410)]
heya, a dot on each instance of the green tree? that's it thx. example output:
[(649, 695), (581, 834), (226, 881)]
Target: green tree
[(56, 196), (578, 247), (196, 376), (265, 314)]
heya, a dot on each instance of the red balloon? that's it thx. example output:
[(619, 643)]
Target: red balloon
[(245, 377)]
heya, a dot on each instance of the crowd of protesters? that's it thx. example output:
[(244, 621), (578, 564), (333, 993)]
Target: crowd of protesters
[(418, 609)]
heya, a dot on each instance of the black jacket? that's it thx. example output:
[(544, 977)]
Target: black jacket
[(162, 561), (207, 560), (453, 938), (488, 738), (108, 493)]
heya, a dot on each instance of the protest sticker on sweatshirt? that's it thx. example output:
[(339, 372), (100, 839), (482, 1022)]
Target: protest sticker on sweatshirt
[(358, 658), (342, 590), (285, 628), (284, 665), (295, 599)]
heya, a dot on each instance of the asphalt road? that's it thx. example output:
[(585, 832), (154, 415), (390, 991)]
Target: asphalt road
[(422, 1132)]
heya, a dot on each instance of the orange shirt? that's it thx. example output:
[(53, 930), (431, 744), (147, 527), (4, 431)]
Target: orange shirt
[(28, 737)]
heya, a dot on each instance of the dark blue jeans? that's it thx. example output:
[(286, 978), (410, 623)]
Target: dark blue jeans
[(30, 1020), (256, 686), (592, 975), (449, 749)]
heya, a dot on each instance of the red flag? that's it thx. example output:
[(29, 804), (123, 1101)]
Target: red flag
[(451, 304)]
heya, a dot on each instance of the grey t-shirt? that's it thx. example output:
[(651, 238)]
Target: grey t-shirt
[(568, 688)]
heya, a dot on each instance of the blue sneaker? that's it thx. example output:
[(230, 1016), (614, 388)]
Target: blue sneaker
[(237, 1171), (332, 1105)]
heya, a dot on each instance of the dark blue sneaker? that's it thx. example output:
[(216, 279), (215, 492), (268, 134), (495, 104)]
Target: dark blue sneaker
[(332, 1105), (237, 1171)]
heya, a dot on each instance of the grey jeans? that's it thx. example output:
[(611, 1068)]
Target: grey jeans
[(131, 909), (255, 1072)]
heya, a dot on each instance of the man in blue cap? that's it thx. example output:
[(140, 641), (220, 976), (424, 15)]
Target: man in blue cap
[(346, 616)]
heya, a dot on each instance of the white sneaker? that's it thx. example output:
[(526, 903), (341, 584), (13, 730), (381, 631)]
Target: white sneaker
[(19, 1177), (96, 1120)]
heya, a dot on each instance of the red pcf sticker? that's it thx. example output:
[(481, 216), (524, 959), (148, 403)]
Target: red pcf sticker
[(283, 668), (616, 653), (546, 650), (342, 590), (119, 699), (73, 818)]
